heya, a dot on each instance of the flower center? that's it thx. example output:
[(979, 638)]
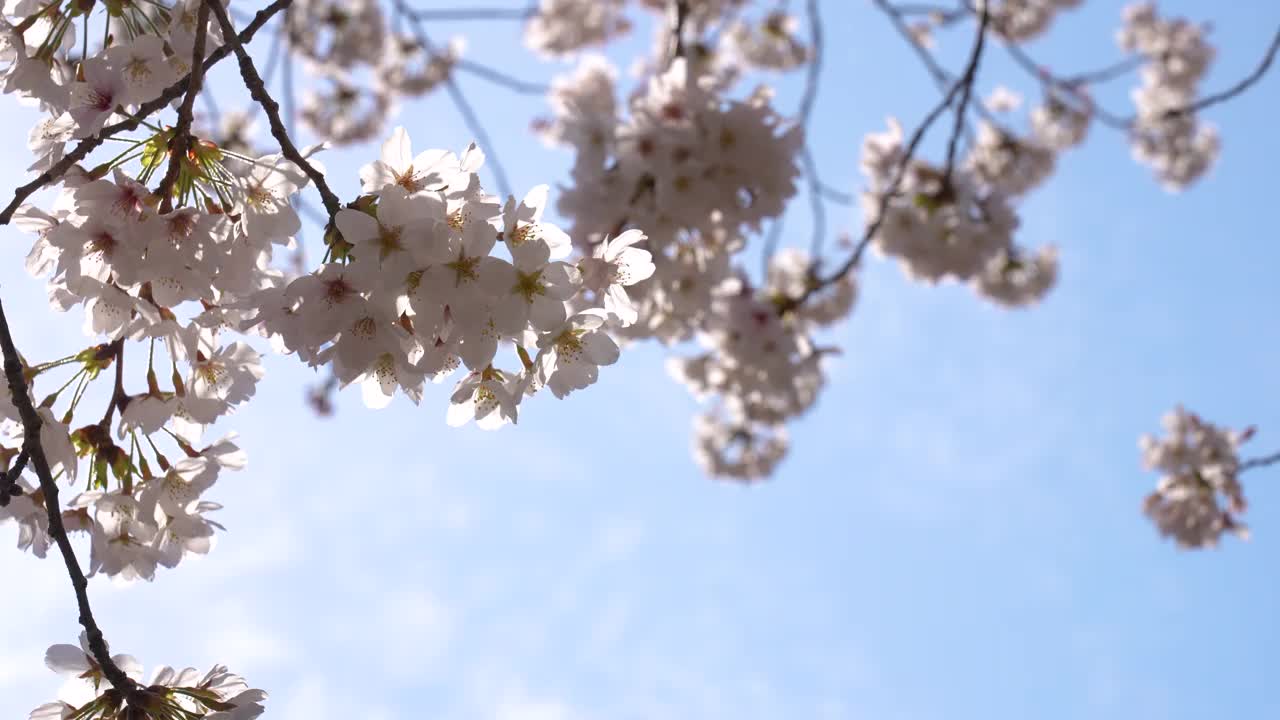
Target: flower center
[(529, 285)]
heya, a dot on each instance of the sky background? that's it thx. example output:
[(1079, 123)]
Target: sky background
[(956, 533)]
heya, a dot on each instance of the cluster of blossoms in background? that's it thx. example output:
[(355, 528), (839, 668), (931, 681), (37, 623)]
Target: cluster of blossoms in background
[(168, 243), (1199, 465)]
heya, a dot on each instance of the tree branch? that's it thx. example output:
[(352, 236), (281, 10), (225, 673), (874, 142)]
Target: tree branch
[(31, 425), (966, 91), (1262, 461), (9, 487), (1070, 86), (118, 394), (500, 78), (941, 77), (1120, 68), (170, 94), (258, 91), (1244, 84), (182, 129)]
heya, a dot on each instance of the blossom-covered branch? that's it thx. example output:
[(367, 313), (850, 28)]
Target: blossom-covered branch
[(169, 247), (171, 93), (33, 449)]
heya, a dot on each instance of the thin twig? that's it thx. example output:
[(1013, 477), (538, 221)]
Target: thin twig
[(469, 116), (807, 101), (472, 121), (182, 129), (1244, 84), (118, 395), (966, 91), (1120, 68), (500, 78), (258, 91), (1068, 86), (945, 14), (170, 94), (941, 77), (31, 424), (836, 196), (1258, 462)]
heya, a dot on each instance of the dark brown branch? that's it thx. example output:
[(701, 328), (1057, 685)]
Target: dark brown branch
[(33, 448), (258, 91), (966, 91), (9, 487), (118, 394), (1247, 82), (31, 424), (170, 94), (1258, 462), (181, 140)]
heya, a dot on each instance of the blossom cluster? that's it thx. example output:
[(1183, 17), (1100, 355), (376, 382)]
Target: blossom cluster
[(362, 66), (1023, 20), (959, 222), (1173, 142), (411, 291), (698, 172), (761, 367), (1198, 497)]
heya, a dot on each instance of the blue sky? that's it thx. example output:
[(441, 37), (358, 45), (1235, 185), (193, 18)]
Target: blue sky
[(956, 533)]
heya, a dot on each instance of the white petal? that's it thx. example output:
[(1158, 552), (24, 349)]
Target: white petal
[(600, 348), (397, 151), (66, 659)]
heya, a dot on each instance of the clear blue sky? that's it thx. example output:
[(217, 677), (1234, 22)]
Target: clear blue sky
[(956, 533)]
